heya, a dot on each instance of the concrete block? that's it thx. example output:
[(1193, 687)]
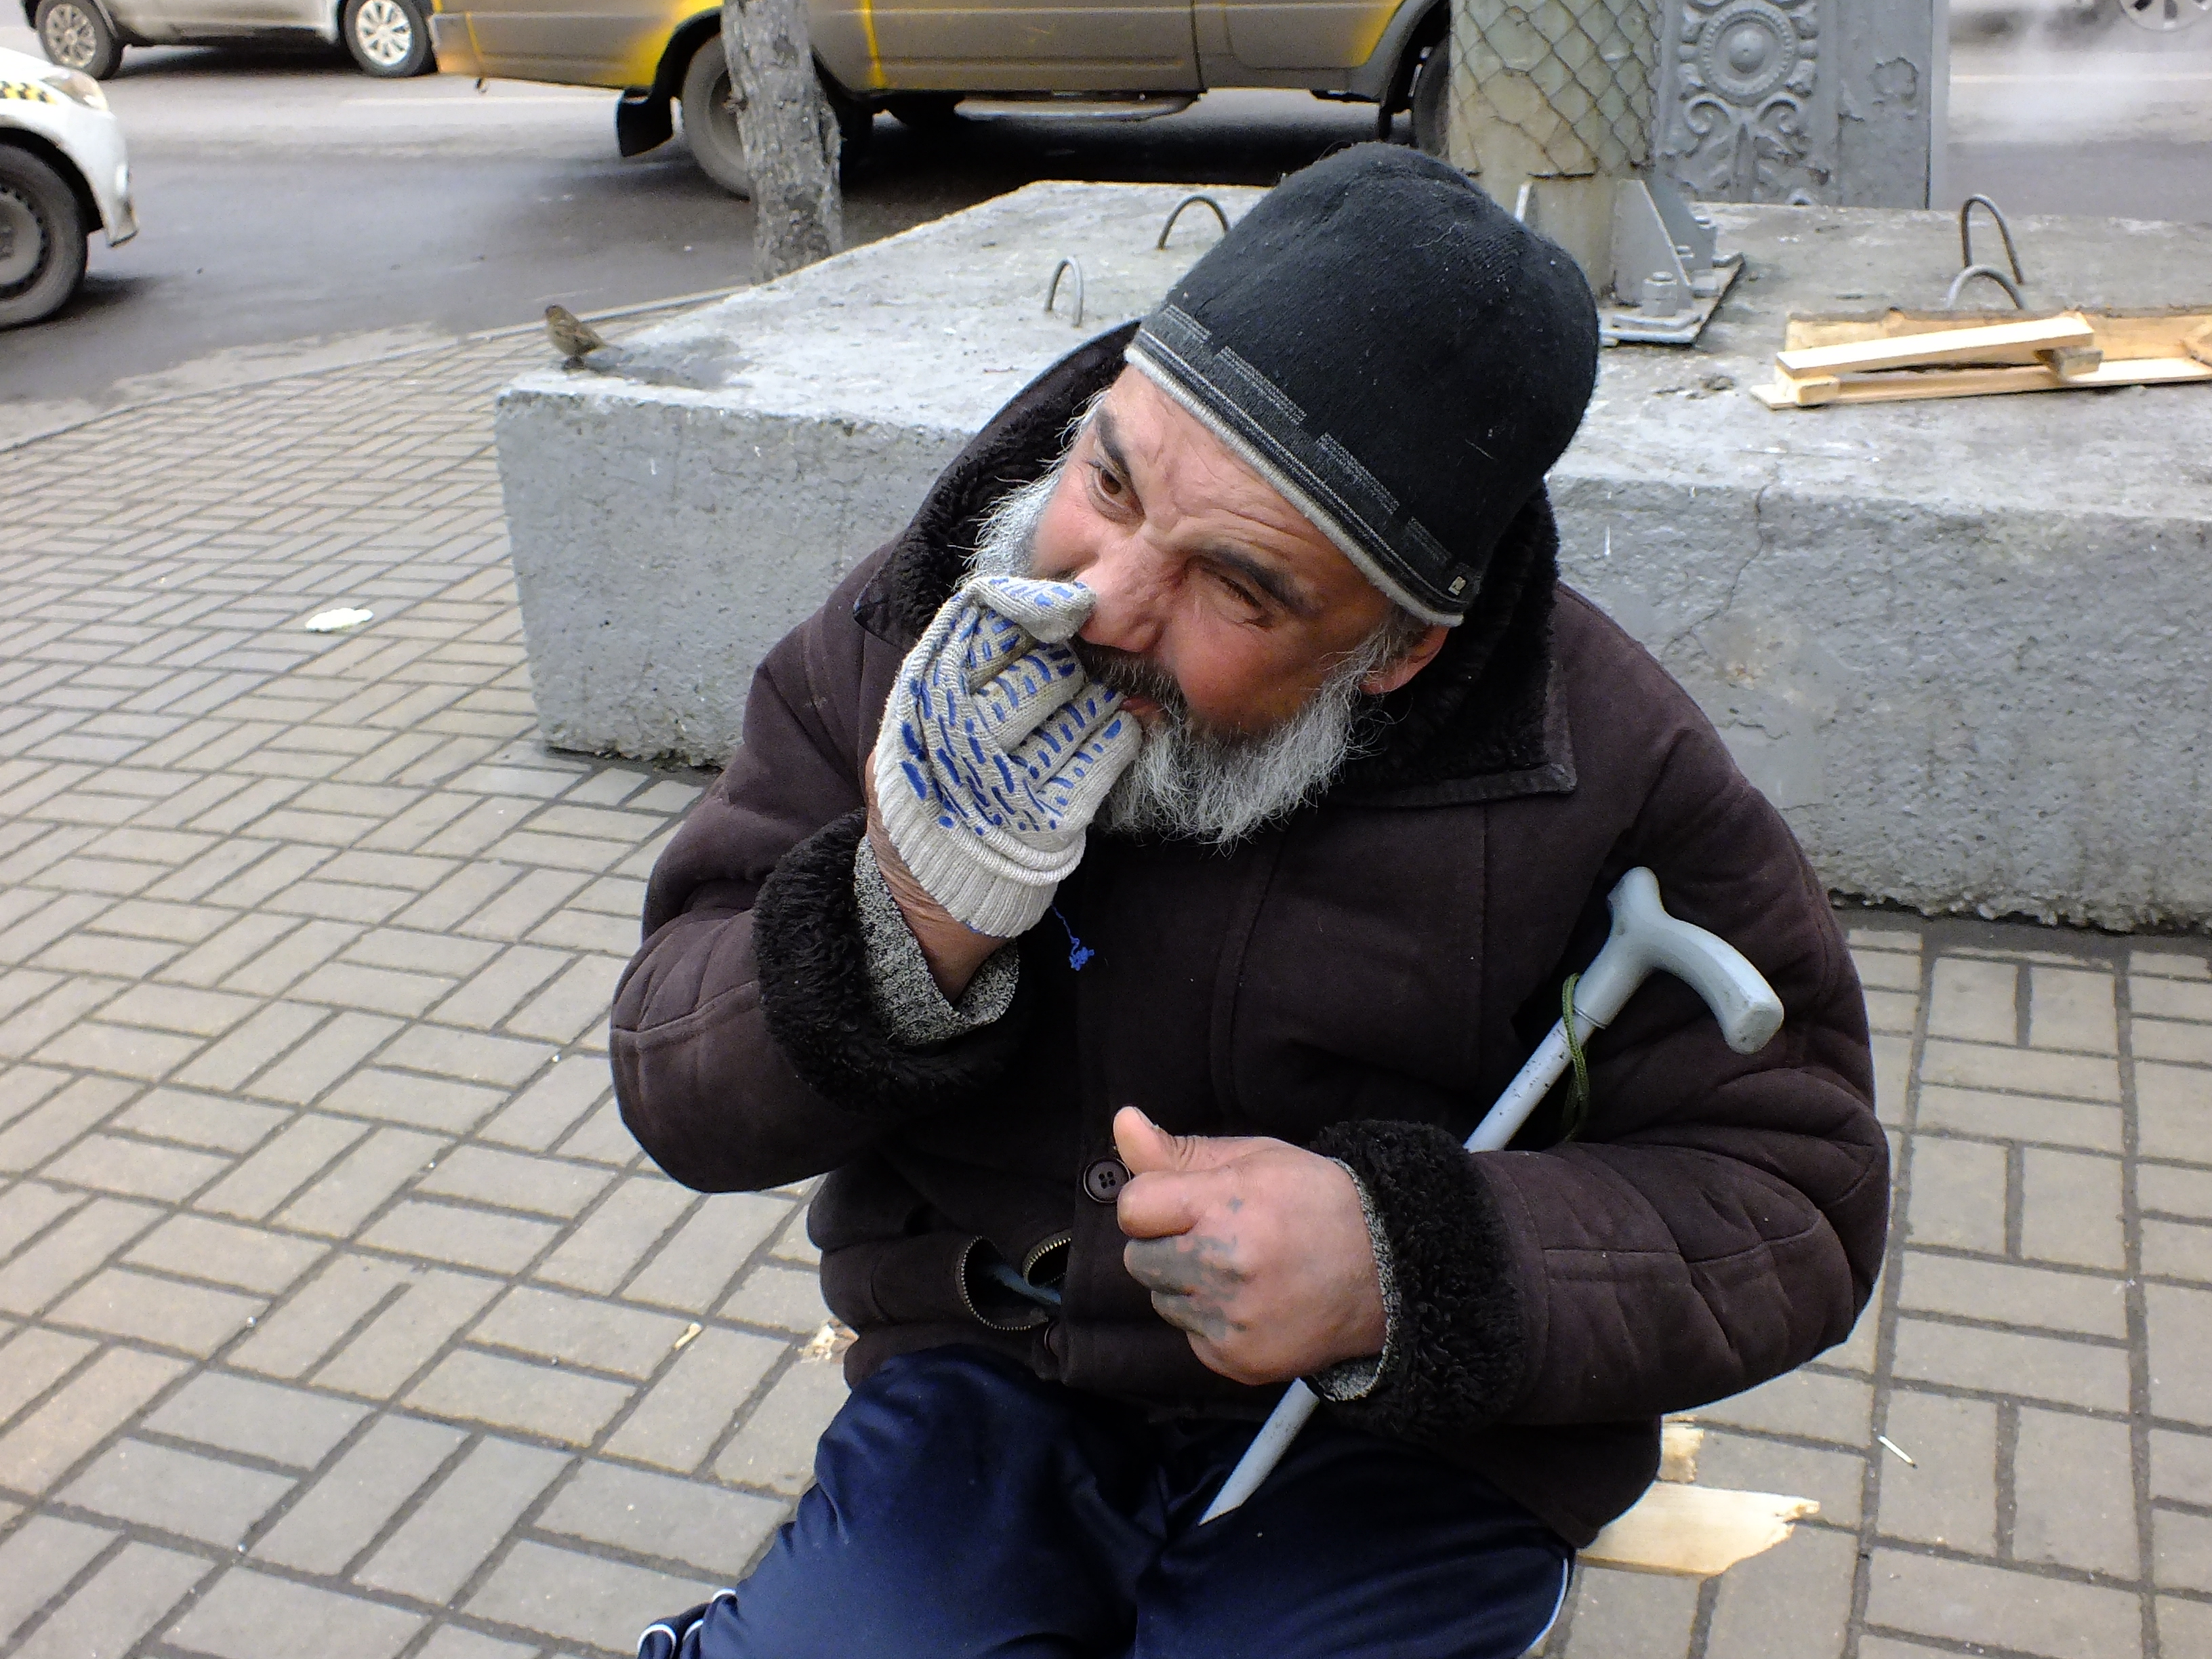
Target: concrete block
[(438, 1549), (247, 1614), (1964, 646), (37, 1559), (1834, 1479), (1958, 1194), (2180, 1328), (2067, 1373), (2074, 1494), (1810, 1405), (2008, 1294), (586, 1599), (401, 1339), (1971, 1604), (682, 1416), (2070, 1209), (1630, 1615), (349, 1506), (1947, 1495), (775, 1447), (127, 1597), (702, 1526), (176, 1492), (1793, 1602), (285, 1425), (558, 1405)]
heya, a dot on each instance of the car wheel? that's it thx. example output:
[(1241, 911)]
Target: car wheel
[(42, 234), (710, 121), (925, 111), (856, 124), (388, 38), (1433, 98), (73, 34)]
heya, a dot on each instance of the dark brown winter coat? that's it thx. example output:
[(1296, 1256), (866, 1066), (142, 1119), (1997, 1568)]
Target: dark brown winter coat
[(1363, 979)]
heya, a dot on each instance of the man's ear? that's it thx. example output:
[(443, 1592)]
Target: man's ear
[(1390, 677)]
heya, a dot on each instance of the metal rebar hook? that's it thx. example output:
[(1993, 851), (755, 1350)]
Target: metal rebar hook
[(1967, 236), (1190, 201), (1052, 292), (1960, 281)]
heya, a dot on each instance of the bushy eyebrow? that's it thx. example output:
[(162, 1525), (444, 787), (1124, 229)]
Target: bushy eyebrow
[(1102, 422), (1274, 583), (1264, 576)]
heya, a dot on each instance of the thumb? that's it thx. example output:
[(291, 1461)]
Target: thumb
[(1148, 1149)]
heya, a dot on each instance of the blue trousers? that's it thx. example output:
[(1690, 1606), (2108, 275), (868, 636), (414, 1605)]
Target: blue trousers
[(964, 1509)]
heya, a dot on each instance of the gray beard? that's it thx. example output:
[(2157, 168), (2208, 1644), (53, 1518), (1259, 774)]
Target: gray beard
[(1191, 782)]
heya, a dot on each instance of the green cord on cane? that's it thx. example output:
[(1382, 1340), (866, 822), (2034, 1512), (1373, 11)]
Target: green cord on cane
[(1579, 1094)]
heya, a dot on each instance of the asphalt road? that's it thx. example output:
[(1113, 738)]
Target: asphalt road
[(296, 211), (2108, 119), (293, 210)]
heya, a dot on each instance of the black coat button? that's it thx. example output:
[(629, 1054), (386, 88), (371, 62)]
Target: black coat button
[(1104, 1178)]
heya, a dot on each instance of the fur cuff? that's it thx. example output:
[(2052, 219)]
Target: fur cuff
[(818, 1000), (1458, 1347)]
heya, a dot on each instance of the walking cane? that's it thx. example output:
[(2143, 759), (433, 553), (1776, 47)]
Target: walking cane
[(1644, 939)]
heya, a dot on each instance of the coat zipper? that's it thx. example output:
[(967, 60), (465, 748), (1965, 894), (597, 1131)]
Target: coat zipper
[(960, 1283), (1057, 1242)]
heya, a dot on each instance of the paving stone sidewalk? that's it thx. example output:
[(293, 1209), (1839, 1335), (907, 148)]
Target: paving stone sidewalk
[(338, 1314)]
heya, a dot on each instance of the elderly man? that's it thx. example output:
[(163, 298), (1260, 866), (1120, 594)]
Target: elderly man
[(1135, 881)]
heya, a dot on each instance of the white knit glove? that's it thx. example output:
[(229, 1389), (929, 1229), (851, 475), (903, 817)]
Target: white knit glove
[(996, 750)]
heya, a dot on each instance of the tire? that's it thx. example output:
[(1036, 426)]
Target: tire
[(75, 34), (856, 124), (1433, 98), (710, 122), (42, 237), (388, 38), (925, 111)]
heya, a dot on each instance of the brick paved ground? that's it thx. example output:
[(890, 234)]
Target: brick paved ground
[(338, 1316)]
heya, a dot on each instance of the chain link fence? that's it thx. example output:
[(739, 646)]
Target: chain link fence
[(1553, 88)]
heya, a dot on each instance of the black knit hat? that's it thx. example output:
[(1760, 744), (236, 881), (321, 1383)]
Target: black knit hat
[(1395, 353)]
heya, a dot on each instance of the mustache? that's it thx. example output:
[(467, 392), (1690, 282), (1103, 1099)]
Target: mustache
[(1129, 673)]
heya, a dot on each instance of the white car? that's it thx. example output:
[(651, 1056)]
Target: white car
[(62, 169), (389, 38)]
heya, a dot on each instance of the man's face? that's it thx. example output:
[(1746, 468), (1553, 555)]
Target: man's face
[(1202, 569)]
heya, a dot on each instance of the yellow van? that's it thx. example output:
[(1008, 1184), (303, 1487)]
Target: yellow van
[(919, 58)]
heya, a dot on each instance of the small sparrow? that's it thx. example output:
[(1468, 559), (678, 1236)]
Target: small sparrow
[(572, 336)]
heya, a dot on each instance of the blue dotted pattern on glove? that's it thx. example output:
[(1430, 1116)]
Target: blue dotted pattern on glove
[(1002, 727)]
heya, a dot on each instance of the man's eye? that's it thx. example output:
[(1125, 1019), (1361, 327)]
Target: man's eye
[(1109, 483), (1238, 592)]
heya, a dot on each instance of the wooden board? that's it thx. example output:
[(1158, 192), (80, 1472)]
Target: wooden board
[(1678, 1450), (2003, 343), (2120, 334), (1697, 1530), (1911, 386), (1888, 357)]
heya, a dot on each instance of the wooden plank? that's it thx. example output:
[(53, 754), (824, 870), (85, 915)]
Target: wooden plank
[(2004, 342), (2120, 334), (1916, 386), (2199, 344), (1697, 1530), (1678, 1450), (2071, 362), (2145, 371)]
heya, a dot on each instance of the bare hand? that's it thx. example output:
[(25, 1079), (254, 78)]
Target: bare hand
[(953, 951), (1256, 1249)]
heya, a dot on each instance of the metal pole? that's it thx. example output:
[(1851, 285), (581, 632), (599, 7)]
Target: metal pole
[(1557, 94)]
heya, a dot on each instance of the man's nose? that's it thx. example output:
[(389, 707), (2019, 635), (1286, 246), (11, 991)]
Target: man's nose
[(1128, 613)]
